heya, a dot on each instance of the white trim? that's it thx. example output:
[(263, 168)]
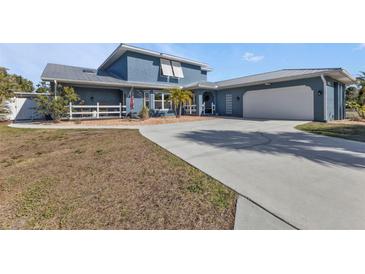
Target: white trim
[(331, 74), (163, 101), (109, 84)]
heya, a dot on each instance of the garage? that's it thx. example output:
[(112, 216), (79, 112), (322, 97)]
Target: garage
[(288, 94), (291, 103)]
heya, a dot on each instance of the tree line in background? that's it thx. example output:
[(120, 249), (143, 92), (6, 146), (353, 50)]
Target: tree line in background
[(355, 96), (10, 83), (53, 107)]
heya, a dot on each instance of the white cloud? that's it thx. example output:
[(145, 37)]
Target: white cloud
[(360, 47), (251, 57)]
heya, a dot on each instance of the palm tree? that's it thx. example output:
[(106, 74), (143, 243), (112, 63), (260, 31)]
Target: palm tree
[(180, 97)]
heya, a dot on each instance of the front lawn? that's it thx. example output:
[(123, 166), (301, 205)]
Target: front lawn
[(103, 179), (352, 131)]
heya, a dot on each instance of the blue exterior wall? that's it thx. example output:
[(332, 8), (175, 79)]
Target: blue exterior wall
[(91, 96), (138, 100), (336, 104), (138, 67), (315, 84), (119, 68)]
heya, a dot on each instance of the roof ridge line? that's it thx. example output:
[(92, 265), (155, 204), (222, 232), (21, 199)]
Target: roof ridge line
[(71, 66), (250, 75)]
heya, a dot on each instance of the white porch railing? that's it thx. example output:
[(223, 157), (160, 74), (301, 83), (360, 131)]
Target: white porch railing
[(96, 111), (212, 107), (190, 109)]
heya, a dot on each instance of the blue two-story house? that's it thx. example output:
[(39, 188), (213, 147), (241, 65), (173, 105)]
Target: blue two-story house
[(303, 94)]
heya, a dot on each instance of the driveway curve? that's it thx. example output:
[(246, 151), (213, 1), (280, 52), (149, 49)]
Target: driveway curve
[(286, 178)]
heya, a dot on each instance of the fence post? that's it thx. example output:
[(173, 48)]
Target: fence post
[(120, 110), (190, 109), (97, 110), (70, 111)]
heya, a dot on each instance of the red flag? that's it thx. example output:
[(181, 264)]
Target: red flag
[(131, 103)]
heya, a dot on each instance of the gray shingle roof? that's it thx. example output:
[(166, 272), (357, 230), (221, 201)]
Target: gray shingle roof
[(275, 76), (81, 75)]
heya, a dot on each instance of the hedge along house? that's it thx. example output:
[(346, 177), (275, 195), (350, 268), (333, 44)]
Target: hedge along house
[(298, 94)]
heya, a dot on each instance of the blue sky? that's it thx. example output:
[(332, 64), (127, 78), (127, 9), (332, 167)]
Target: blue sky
[(227, 60)]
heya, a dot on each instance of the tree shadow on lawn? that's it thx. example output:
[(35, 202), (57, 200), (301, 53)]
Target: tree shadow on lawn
[(316, 148)]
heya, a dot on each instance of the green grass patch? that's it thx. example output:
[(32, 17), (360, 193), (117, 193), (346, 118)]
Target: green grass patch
[(354, 132), (34, 198)]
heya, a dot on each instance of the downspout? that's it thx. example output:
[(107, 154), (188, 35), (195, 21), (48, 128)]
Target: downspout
[(324, 97)]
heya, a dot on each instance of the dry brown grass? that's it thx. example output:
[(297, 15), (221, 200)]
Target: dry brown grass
[(103, 179), (138, 122)]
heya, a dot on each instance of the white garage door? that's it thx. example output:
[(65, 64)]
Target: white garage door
[(292, 103)]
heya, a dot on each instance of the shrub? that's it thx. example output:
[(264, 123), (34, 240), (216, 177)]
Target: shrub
[(359, 109), (144, 113), (56, 107)]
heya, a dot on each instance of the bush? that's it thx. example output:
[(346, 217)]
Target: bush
[(359, 109), (144, 113), (56, 107)]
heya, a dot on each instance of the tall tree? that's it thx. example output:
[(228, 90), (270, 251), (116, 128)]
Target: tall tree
[(351, 93), (361, 88), (43, 87), (10, 83)]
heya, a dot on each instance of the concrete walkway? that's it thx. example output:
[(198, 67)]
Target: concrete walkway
[(287, 179)]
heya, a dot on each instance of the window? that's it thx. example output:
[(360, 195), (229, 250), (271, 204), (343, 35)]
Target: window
[(171, 68), (163, 101), (176, 67), (166, 69), (229, 104)]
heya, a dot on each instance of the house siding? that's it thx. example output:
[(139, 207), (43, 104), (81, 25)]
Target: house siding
[(338, 98), (119, 68), (138, 67), (91, 96)]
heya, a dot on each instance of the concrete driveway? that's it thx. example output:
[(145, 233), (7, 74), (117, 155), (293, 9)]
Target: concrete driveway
[(286, 178)]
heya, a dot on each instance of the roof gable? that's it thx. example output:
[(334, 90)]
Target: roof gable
[(123, 48)]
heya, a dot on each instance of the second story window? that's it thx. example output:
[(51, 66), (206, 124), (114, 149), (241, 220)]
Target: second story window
[(166, 69), (171, 69), (176, 67)]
